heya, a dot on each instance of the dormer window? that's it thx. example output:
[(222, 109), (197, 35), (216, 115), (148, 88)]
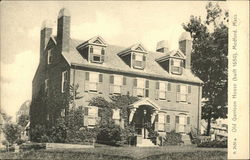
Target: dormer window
[(138, 60), (93, 50), (176, 66), (134, 56)]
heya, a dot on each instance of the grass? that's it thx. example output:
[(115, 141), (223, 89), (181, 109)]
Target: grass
[(123, 153)]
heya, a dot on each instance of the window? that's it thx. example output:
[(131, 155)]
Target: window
[(46, 86), (63, 113), (138, 60), (162, 90), (147, 88), (64, 80), (161, 122), (97, 54), (176, 65), (93, 81), (139, 85), (49, 58), (90, 116), (116, 114), (182, 93), (118, 81)]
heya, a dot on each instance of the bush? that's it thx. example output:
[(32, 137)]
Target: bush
[(172, 138), (20, 141), (213, 144), (153, 135), (32, 146), (109, 134)]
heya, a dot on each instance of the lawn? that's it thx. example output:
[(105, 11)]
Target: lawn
[(124, 153)]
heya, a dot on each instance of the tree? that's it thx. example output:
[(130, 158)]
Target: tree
[(23, 120), (209, 60), (12, 132)]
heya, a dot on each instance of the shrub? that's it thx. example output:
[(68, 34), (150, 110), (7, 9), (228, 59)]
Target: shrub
[(153, 135), (172, 138), (20, 141), (109, 134), (213, 144), (12, 132), (37, 132)]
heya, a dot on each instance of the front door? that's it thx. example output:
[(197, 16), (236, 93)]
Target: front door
[(182, 124)]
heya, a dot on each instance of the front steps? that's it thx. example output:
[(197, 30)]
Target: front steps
[(186, 139), (146, 143)]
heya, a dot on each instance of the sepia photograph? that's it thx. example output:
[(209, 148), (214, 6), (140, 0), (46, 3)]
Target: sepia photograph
[(127, 80)]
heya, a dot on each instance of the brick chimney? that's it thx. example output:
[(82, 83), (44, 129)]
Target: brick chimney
[(162, 46), (185, 45), (63, 30), (45, 34)]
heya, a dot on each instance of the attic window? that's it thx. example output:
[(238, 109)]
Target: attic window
[(138, 60), (176, 66), (97, 54)]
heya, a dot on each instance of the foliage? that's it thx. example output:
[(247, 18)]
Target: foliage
[(23, 120), (172, 138), (213, 144), (12, 132), (6, 117), (38, 133), (20, 141), (209, 60), (109, 134)]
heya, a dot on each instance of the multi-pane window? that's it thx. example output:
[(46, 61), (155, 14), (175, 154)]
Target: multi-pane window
[(92, 79), (46, 86), (176, 65), (49, 58), (162, 90), (90, 116), (161, 122), (139, 87), (168, 118), (116, 82), (97, 54), (183, 92), (138, 60), (64, 80)]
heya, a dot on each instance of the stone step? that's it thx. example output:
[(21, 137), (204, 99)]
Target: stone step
[(146, 143), (186, 139)]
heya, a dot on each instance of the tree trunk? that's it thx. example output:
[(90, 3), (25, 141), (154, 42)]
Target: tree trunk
[(208, 126)]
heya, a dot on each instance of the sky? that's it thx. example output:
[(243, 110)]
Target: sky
[(123, 23)]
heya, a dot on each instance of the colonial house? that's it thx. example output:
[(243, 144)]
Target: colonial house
[(169, 93)]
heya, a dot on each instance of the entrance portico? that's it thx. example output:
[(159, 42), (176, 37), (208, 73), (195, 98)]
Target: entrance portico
[(142, 115)]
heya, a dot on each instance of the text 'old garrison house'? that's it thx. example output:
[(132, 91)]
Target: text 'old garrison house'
[(169, 93)]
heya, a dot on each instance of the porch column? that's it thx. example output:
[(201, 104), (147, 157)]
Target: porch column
[(131, 115), (153, 116)]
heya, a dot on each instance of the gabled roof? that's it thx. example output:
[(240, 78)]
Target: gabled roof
[(145, 101), (114, 63), (134, 48), (172, 54), (97, 40)]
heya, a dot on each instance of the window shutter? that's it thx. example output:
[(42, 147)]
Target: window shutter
[(103, 51), (87, 76), (178, 89), (188, 120), (146, 93), (124, 80), (147, 84), (144, 58), (91, 50), (86, 111), (168, 118), (102, 58), (189, 89), (156, 122), (133, 56), (172, 62), (157, 85), (182, 63), (177, 119), (169, 87), (135, 82), (100, 77), (111, 79)]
